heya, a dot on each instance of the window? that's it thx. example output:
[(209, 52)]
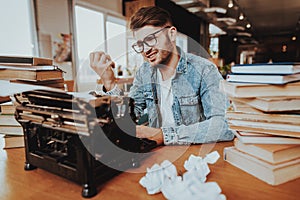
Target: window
[(116, 40), (89, 37), (17, 28), (97, 31), (214, 47)]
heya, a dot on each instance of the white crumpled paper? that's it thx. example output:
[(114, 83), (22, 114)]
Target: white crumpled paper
[(157, 175), (199, 165), (191, 185)]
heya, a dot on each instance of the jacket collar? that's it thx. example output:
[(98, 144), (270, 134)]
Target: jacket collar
[(182, 64)]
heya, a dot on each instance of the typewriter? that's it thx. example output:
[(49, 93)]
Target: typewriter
[(85, 141)]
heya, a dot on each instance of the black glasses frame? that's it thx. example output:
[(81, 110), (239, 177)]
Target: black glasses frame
[(144, 42)]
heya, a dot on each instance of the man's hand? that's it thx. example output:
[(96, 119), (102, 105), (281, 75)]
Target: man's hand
[(102, 64), (150, 133)]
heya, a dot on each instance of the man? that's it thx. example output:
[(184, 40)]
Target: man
[(180, 91)]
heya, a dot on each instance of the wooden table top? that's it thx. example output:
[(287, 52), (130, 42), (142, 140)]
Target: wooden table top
[(16, 183)]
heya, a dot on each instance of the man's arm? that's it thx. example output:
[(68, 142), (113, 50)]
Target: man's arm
[(137, 93), (102, 64), (215, 127)]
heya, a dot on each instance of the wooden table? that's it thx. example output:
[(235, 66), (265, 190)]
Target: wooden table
[(41, 185)]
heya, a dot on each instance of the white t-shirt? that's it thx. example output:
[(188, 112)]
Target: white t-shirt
[(166, 100)]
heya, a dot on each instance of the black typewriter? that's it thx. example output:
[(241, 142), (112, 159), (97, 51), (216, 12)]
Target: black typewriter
[(85, 141)]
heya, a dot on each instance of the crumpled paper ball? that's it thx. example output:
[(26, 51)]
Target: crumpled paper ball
[(157, 175), (191, 185)]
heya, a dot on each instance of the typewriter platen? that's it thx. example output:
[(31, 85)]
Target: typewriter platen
[(87, 142)]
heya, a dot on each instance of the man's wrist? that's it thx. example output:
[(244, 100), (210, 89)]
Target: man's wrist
[(109, 85), (158, 137)]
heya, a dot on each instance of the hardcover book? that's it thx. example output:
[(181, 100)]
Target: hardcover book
[(11, 130), (273, 174), (8, 120), (13, 141), (7, 108), (267, 68), (243, 90), (265, 127), (272, 104), (272, 153), (263, 117), (267, 79), (56, 83), (13, 60), (261, 138), (30, 73)]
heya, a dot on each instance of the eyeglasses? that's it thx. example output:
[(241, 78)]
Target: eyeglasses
[(149, 40)]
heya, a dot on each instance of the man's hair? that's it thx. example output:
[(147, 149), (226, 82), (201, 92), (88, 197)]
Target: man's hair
[(153, 16)]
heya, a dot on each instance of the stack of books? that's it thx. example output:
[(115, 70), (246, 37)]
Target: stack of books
[(10, 128), (271, 73), (265, 117), (24, 70), (31, 70)]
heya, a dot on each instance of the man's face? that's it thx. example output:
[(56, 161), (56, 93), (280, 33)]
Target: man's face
[(160, 48)]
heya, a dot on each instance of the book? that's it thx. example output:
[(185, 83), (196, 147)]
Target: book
[(17, 60), (56, 83), (262, 117), (265, 127), (272, 104), (242, 90), (268, 79), (273, 174), (4, 99), (272, 153), (7, 108), (31, 68), (266, 68), (11, 130), (13, 141), (242, 107), (260, 138), (8, 120), (34, 73)]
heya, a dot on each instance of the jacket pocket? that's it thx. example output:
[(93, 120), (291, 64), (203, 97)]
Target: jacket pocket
[(190, 109), (189, 100)]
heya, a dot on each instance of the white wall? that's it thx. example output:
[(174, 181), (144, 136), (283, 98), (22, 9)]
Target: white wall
[(53, 19)]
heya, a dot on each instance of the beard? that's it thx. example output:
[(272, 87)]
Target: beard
[(163, 56)]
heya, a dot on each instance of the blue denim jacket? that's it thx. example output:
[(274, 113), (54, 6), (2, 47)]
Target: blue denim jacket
[(198, 107)]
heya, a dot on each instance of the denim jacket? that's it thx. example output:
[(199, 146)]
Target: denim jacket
[(198, 106)]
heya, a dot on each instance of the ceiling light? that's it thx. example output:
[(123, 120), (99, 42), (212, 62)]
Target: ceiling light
[(244, 34), (194, 9), (230, 4), (241, 17), (241, 28), (184, 2), (294, 38), (235, 39), (228, 20), (248, 25), (207, 10), (215, 9)]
